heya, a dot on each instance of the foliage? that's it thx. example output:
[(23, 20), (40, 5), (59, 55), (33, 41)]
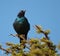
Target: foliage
[(34, 47)]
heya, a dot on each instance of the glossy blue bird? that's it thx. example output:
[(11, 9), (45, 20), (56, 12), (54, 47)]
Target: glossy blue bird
[(21, 25)]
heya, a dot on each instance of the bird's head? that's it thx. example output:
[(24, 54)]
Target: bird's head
[(21, 13)]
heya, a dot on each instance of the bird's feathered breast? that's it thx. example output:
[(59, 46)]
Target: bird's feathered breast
[(21, 25)]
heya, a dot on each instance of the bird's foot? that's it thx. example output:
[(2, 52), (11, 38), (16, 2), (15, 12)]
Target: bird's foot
[(22, 36)]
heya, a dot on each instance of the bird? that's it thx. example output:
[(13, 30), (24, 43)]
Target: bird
[(21, 25)]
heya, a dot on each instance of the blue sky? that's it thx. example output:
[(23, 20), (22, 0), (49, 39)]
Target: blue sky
[(39, 12)]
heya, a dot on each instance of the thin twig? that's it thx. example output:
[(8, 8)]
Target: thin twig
[(14, 35), (5, 50), (45, 34)]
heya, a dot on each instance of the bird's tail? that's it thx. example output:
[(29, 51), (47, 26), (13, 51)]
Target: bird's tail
[(23, 39)]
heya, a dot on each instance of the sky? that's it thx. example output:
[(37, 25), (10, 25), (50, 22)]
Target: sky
[(38, 12)]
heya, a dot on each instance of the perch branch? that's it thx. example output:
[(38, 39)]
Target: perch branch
[(5, 50)]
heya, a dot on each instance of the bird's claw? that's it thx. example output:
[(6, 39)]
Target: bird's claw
[(22, 36)]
